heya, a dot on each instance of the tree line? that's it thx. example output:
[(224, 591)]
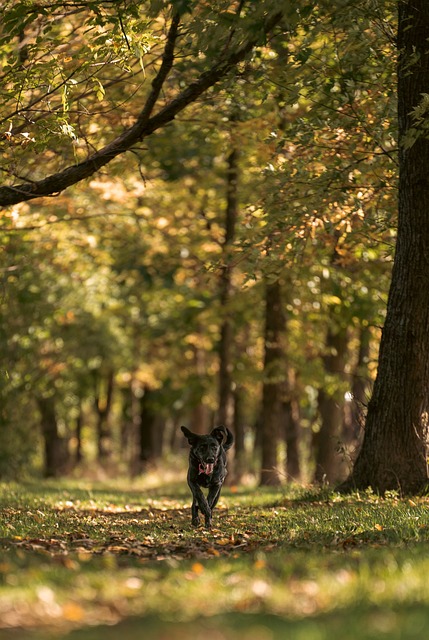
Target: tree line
[(226, 250)]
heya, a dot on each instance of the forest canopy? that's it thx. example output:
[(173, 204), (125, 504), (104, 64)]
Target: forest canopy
[(199, 216)]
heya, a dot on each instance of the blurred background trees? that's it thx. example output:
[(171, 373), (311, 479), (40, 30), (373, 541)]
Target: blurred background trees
[(232, 266)]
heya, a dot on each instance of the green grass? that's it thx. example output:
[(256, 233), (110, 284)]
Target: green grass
[(277, 563)]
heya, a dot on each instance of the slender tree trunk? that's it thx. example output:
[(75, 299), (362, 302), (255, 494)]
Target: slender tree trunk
[(326, 441), (355, 408), (130, 426), (291, 421), (147, 426), (78, 435), (226, 343), (292, 432), (240, 452), (200, 416), (393, 453), (126, 423), (274, 376), (200, 419), (133, 418), (174, 440), (103, 404), (55, 447), (158, 432), (152, 427)]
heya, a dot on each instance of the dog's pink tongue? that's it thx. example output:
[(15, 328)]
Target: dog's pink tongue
[(206, 468)]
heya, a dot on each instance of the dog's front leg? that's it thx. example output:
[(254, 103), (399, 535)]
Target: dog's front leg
[(200, 502), (213, 496), (194, 512)]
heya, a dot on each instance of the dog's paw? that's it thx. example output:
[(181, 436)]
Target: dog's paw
[(195, 522)]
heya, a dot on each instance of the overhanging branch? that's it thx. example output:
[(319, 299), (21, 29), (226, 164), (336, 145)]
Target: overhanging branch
[(144, 125)]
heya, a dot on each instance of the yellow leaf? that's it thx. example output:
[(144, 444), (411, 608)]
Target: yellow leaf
[(379, 527), (68, 563), (224, 541)]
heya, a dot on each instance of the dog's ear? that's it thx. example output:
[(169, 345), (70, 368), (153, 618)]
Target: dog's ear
[(219, 433), (229, 440), (192, 437)]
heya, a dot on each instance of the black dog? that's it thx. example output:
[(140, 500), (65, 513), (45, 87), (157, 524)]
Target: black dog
[(207, 468)]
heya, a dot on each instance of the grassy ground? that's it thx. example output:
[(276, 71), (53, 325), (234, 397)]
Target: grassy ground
[(77, 559)]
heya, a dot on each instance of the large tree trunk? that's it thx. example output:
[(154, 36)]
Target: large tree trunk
[(393, 454), (274, 376), (226, 398)]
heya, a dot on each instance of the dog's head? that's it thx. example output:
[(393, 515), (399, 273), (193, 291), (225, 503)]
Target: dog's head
[(206, 449)]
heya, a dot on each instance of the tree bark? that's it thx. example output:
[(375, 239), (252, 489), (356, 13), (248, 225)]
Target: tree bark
[(393, 453), (274, 376)]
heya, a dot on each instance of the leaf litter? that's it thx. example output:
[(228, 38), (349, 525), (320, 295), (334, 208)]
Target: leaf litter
[(78, 562), (158, 534)]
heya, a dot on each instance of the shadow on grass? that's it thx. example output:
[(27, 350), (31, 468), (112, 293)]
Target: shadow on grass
[(354, 623)]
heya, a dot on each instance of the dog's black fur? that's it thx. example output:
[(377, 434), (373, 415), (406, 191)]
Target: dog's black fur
[(207, 468)]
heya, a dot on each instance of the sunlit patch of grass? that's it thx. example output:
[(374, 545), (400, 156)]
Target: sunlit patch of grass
[(73, 555)]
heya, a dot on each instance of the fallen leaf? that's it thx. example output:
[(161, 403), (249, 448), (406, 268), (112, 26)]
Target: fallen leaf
[(224, 541), (260, 564), (72, 612), (197, 568)]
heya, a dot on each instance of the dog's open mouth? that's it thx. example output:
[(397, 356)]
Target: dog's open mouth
[(206, 467)]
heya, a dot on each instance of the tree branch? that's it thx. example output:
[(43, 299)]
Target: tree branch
[(144, 125)]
